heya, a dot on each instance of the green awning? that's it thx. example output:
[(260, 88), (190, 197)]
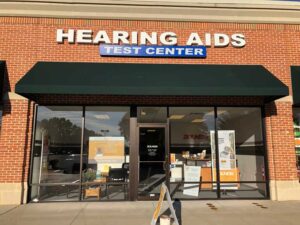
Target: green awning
[(151, 79), (296, 84), (2, 69)]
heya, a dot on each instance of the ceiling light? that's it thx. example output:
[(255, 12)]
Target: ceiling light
[(210, 113), (198, 120), (176, 117), (222, 111)]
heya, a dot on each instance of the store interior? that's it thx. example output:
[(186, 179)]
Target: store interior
[(83, 153)]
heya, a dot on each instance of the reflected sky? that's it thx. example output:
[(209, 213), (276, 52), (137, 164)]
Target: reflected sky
[(96, 119), (74, 114), (100, 121)]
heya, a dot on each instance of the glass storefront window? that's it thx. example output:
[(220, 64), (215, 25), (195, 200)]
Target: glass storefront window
[(152, 161), (152, 114), (56, 153), (241, 152), (82, 153), (296, 115), (105, 172), (191, 129)]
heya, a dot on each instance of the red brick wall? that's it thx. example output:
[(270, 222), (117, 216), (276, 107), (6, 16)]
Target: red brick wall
[(15, 141), (280, 141), (24, 41)]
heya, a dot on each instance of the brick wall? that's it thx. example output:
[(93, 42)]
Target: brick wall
[(280, 141), (15, 141), (24, 41)]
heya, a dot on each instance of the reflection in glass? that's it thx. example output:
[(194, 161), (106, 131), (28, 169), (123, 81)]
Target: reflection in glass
[(191, 129), (152, 161), (152, 114), (65, 192), (178, 191), (151, 176), (105, 158), (152, 144), (106, 153), (246, 190), (56, 155), (296, 115), (241, 150)]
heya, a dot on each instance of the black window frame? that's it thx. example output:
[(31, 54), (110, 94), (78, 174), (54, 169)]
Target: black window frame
[(133, 114)]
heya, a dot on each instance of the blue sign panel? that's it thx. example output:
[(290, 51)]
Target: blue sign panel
[(153, 51)]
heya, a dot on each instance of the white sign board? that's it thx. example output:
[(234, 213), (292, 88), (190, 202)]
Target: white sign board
[(192, 174), (164, 191), (227, 158)]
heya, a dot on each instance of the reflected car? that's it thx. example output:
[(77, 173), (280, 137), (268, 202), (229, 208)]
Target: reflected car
[(66, 158)]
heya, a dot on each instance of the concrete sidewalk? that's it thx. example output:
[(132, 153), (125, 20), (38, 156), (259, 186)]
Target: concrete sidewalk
[(139, 213)]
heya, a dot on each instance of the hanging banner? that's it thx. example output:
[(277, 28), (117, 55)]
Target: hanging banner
[(227, 159), (227, 156)]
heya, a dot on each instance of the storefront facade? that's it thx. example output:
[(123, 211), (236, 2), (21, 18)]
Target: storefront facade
[(81, 126)]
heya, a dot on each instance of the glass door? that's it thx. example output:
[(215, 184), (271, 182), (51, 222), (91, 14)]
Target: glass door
[(153, 160)]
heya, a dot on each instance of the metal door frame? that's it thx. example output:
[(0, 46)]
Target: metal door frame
[(167, 152)]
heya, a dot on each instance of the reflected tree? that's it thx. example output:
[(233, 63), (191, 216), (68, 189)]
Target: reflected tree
[(62, 130), (124, 126)]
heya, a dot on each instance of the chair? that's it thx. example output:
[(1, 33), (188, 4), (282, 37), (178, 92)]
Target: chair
[(73, 189), (125, 167), (117, 176)]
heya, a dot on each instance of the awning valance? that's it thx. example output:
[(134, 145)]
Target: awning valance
[(296, 84), (151, 79)]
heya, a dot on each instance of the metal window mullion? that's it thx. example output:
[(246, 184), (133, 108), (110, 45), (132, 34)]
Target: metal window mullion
[(32, 145), (266, 161), (81, 151), (167, 153), (217, 154)]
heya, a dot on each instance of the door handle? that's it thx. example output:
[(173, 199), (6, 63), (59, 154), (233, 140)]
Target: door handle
[(165, 166)]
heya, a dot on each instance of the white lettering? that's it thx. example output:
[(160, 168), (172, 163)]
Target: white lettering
[(84, 36), (221, 40), (238, 40), (118, 50), (120, 36), (189, 51), (134, 38), (194, 39), (160, 51), (168, 38), (136, 50), (108, 48), (70, 36), (198, 51), (145, 38), (170, 51), (150, 51), (208, 39), (180, 50), (127, 50), (102, 37)]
